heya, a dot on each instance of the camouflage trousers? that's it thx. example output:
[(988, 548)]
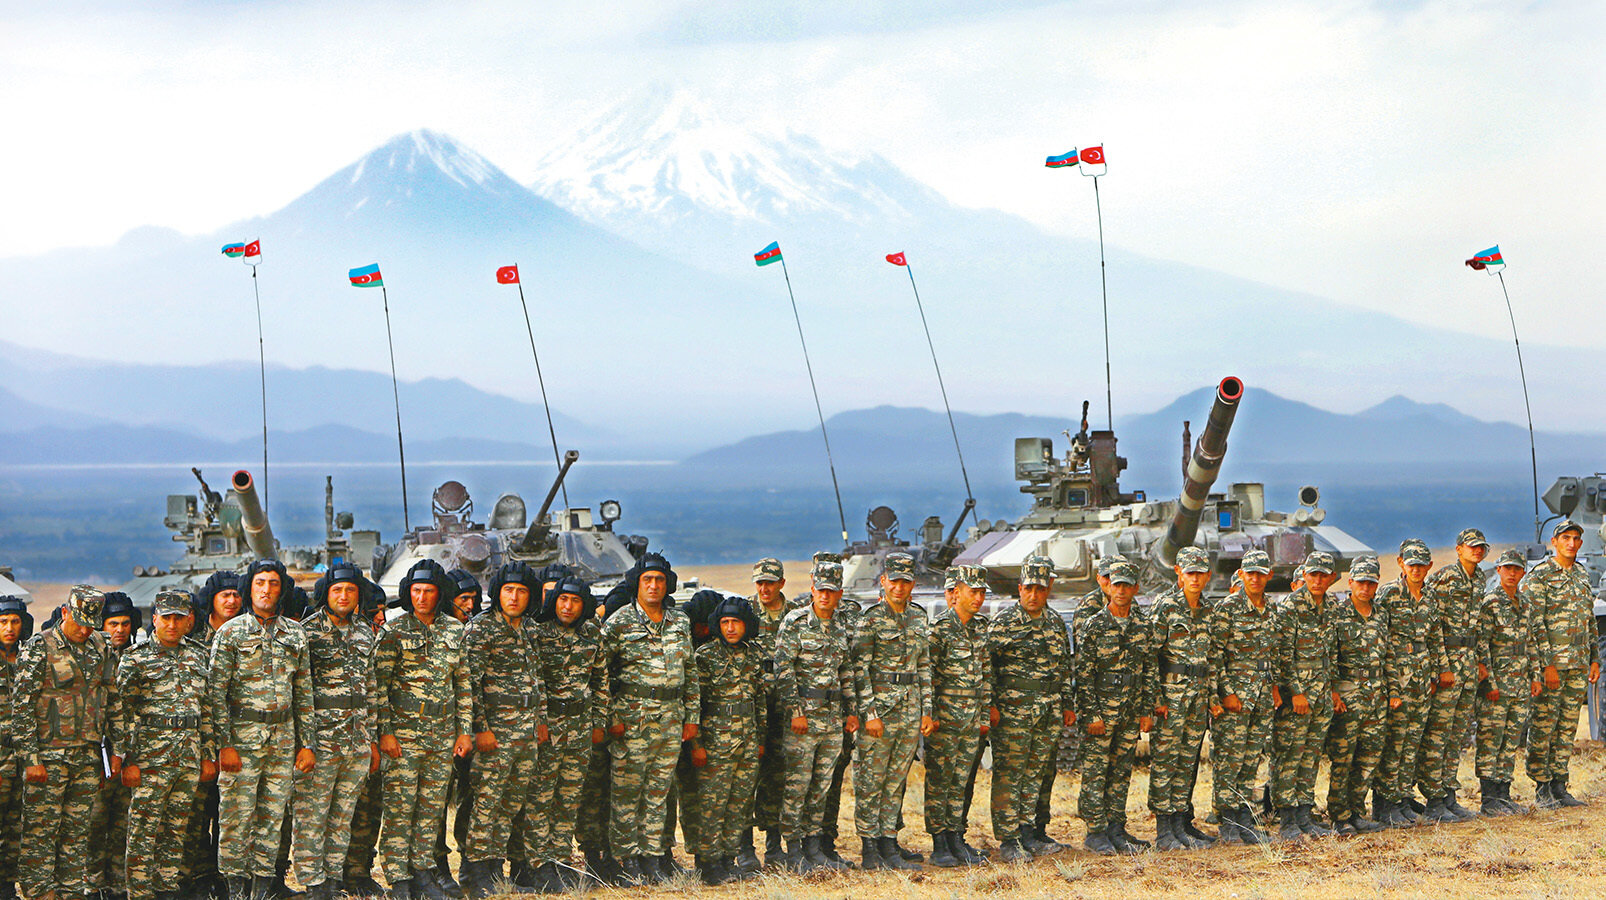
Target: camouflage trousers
[(107, 867), (642, 773), (810, 759), (549, 821), (1045, 788), (683, 799), (10, 818), (365, 828), (414, 795), (324, 802), (725, 785), (1354, 745), (591, 828), (55, 823), (1296, 750), (459, 809), (1174, 746), (770, 793), (503, 789), (1555, 722), (1238, 742), (252, 802), (951, 754), (1402, 746), (1500, 724), (1449, 717), (880, 771), (164, 796), (1022, 741), (1106, 771), (832, 810)]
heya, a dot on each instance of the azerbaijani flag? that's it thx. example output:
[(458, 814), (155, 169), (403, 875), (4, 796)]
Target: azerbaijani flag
[(1485, 259), (367, 276), (770, 254), (1063, 160), (234, 251)]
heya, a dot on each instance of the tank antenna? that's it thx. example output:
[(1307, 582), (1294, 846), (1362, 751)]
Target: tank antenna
[(502, 276), (1104, 293), (252, 254), (395, 393), (1491, 259)]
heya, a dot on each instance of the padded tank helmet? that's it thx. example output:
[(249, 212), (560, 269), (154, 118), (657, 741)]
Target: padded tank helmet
[(734, 607), (425, 571), (567, 585), (12, 605)]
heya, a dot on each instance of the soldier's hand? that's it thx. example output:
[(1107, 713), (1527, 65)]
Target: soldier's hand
[(117, 765), (130, 776), (874, 728), (1494, 694), (1095, 727), (389, 746), (1301, 704), (760, 751), (617, 729), (1276, 697), (598, 735), (464, 745), (229, 760), (208, 771), (1594, 671), (688, 731), (1216, 709), (699, 757), (373, 758), (305, 760), (1231, 703), (1483, 672), (1536, 689), (800, 725), (928, 726), (485, 742), (1145, 724), (1070, 717), (1553, 678), (34, 774), (851, 725), (1446, 679), (1394, 702), (992, 716), (1162, 710), (543, 735), (1338, 703)]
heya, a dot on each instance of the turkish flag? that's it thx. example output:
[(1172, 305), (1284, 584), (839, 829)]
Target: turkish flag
[(897, 259), (1093, 156), (507, 275)]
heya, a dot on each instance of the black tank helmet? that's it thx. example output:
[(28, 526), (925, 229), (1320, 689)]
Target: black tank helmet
[(513, 573), (465, 581), (257, 567), (698, 609), (425, 571), (12, 605), (118, 603), (215, 583), (734, 607), (624, 593), (555, 572), (339, 573), (567, 585)]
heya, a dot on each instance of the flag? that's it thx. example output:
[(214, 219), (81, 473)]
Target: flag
[(507, 275), (367, 276), (1063, 160), (1093, 161), (234, 251), (897, 259), (770, 254), (1487, 259), (253, 253)]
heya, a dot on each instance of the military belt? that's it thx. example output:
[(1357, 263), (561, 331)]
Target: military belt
[(169, 721), (768, 665), (1116, 679), (894, 677), (261, 716), (1026, 684), (744, 708), (958, 693), (415, 705), (648, 692), (1358, 673), (1187, 670), (1454, 641), (340, 703), (819, 694), (558, 706), (513, 701)]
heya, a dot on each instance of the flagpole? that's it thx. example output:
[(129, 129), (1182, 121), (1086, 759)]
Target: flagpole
[(1104, 291), (840, 515), (542, 382), (969, 497), (395, 393), (262, 372), (1533, 454)]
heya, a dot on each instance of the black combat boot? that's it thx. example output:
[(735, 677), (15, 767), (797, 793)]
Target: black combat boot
[(746, 857), (814, 850), (262, 887), (711, 871), (1250, 821), (1288, 824), (891, 858), (1489, 802), (1099, 842), (428, 885), (1038, 843), (1012, 851), (1192, 832), (797, 856), (667, 866), (443, 874), (908, 855), (402, 889), (828, 847), (1120, 836), (969, 854), (942, 851), (869, 854), (1434, 811), (1558, 792), (1165, 837), (1456, 809), (1231, 830), (1543, 798), (774, 853), (1513, 807), (1309, 825)]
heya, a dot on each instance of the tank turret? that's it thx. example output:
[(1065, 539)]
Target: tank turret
[(253, 520)]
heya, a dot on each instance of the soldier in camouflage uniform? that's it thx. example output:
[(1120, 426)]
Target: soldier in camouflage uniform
[(1566, 643), (1415, 665), (814, 675), (1304, 673), (1182, 685), (218, 600), (1112, 688), (1030, 652), (769, 606), (654, 707), (120, 620), (1511, 678), (848, 611), (961, 691), (425, 719), (344, 696), (64, 680), (16, 626), (1243, 641), (468, 602), (730, 739), (162, 730), (360, 851), (1360, 692), (1457, 592)]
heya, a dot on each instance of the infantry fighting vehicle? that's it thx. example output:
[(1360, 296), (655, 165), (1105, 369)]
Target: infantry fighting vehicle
[(1583, 499)]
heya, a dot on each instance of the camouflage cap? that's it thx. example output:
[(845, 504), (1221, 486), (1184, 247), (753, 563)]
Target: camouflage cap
[(87, 604), (972, 576), (1193, 559), (1106, 561), (950, 578), (1471, 537), (768, 569), (1564, 526), (1038, 570), (173, 602), (826, 556), (828, 576), (1321, 561), (1364, 568), (1512, 557), (1412, 542), (1415, 553), (1256, 561), (1123, 572), (898, 567)]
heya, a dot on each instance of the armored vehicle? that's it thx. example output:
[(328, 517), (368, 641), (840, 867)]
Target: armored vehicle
[(862, 560)]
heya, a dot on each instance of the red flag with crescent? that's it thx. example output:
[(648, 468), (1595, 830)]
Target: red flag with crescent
[(507, 275), (897, 259)]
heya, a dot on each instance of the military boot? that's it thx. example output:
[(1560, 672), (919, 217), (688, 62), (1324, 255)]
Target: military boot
[(1120, 836), (1489, 798), (1311, 826), (908, 855), (1288, 824), (774, 853), (427, 885), (969, 854), (942, 851), (262, 887), (1165, 837), (443, 874), (796, 857), (1437, 811), (1543, 798), (1099, 842), (1511, 805), (402, 889), (869, 854), (1231, 831), (746, 857), (710, 870), (1455, 808), (1558, 792), (1012, 851), (1038, 843), (891, 858), (828, 847), (1192, 832), (814, 850)]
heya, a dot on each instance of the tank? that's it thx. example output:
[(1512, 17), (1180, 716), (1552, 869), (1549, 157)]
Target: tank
[(933, 553), (1080, 513)]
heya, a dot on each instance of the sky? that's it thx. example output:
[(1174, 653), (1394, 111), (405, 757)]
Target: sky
[(1353, 150)]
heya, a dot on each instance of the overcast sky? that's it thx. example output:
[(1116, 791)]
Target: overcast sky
[(1358, 151)]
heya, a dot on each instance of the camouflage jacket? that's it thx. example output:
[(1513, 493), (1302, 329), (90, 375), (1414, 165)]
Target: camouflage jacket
[(961, 670), (8, 679), (1304, 662), (61, 693), (1180, 637), (1562, 611), (572, 678), (892, 671), (1243, 649), (1086, 605), (769, 626), (504, 673), (649, 663), (160, 714), (421, 674), (731, 684), (814, 669), (1112, 668), (1457, 597), (344, 693), (1505, 639), (1360, 650), (1031, 659), (260, 669), (1416, 642)]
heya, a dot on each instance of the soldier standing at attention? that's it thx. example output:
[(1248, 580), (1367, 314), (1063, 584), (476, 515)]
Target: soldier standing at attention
[(1511, 679), (1457, 592), (467, 602), (730, 739), (359, 880), (120, 620), (163, 734), (1305, 676), (261, 704), (1360, 690), (961, 691), (1243, 641), (1566, 642), (218, 601), (769, 606), (425, 719), (1031, 656), (16, 626), (344, 696), (1415, 665), (1182, 685), (647, 651), (848, 611), (1113, 700)]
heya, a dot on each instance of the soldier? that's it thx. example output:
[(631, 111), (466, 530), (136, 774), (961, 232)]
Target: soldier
[(1566, 643), (425, 719), (848, 611), (1361, 649), (1182, 685), (359, 880), (1243, 640), (163, 735), (961, 692), (261, 703), (467, 602), (120, 619), (16, 626), (769, 607), (218, 601), (980, 623), (1112, 689), (1031, 655), (730, 739), (505, 683), (64, 679), (1510, 678), (1304, 672), (1457, 592), (1415, 665), (344, 696), (647, 650), (682, 806)]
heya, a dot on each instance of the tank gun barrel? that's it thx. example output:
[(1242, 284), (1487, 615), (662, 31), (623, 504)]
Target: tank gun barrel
[(533, 535), (1202, 471), (253, 521)]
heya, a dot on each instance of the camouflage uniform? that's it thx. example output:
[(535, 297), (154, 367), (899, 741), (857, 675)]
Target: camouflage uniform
[(731, 684), (1360, 664), (1304, 665), (108, 864), (1182, 681), (505, 685), (365, 819), (1114, 657), (576, 703), (961, 690), (1243, 643), (1504, 640), (10, 765), (771, 790), (1565, 636), (1031, 658), (814, 677), (893, 684), (1415, 659), (1457, 596)]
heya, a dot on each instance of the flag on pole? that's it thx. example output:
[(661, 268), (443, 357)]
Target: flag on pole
[(253, 253), (1092, 159), (770, 254), (1487, 259), (367, 276), (897, 259), (234, 251), (507, 275), (1063, 160)]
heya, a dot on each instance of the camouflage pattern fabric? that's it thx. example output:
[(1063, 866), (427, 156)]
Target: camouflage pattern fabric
[(893, 684), (1113, 660), (1355, 740), (10, 775), (1457, 596), (1181, 680), (576, 702), (814, 678), (1304, 665), (1031, 658), (1564, 635), (848, 611), (771, 790), (731, 683), (1415, 659), (505, 684), (1504, 640), (108, 864), (365, 828), (591, 829), (961, 691), (1243, 642)]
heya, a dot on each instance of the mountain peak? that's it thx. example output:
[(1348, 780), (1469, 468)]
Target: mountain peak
[(406, 153), (1400, 407)]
